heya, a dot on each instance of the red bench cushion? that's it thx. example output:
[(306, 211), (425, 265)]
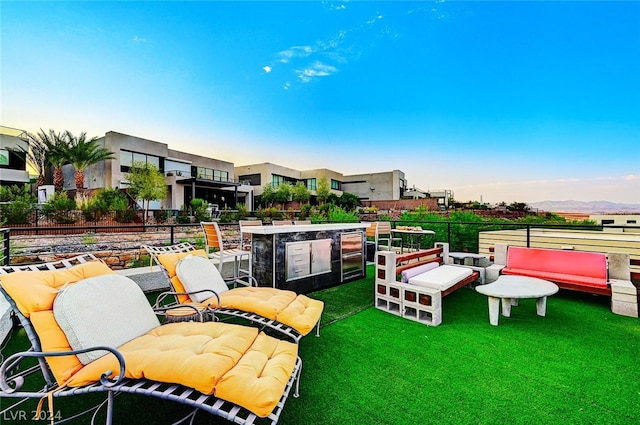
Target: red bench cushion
[(579, 267)]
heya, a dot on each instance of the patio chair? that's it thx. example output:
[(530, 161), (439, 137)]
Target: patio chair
[(92, 330), (384, 236), (282, 222), (245, 239), (195, 281), (216, 250), (300, 222)]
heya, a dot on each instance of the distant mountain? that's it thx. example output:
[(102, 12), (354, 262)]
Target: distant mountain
[(592, 207)]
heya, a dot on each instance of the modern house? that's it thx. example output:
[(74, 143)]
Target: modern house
[(188, 176), (260, 175), (13, 167), (389, 185)]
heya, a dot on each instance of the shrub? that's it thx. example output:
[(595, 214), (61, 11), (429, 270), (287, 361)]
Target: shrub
[(183, 216), (123, 214), (243, 212), (162, 215), (60, 208), (17, 205), (199, 208), (305, 211)]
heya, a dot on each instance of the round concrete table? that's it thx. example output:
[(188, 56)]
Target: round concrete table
[(510, 288)]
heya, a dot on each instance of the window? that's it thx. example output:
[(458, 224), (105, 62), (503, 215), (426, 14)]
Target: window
[(277, 180), (631, 222), (252, 179), (221, 176), (607, 221), (211, 174), (127, 158), (335, 184), (311, 184)]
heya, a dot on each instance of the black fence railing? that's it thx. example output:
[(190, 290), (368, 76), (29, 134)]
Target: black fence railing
[(41, 240), (6, 242)]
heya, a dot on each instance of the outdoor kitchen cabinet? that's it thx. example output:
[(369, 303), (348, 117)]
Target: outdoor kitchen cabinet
[(309, 257)]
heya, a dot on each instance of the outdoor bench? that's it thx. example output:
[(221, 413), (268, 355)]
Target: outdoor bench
[(590, 272), (423, 281)]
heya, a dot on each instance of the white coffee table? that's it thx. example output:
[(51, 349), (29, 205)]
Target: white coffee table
[(510, 288)]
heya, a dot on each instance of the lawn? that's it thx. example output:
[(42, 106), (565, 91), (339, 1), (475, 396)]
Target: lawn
[(579, 364)]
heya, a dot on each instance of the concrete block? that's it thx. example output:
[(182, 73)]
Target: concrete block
[(389, 290), (386, 266), (622, 286), (624, 308), (619, 265), (421, 297), (500, 254), (389, 305), (427, 317), (627, 298)]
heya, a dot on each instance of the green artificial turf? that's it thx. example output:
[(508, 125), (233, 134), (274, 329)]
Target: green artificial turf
[(579, 364)]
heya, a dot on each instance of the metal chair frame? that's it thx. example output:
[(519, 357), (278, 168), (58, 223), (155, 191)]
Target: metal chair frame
[(13, 376)]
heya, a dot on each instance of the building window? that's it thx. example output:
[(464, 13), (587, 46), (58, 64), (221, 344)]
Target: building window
[(335, 184), (127, 158), (631, 222), (252, 179), (277, 180), (607, 221), (211, 174), (311, 184)]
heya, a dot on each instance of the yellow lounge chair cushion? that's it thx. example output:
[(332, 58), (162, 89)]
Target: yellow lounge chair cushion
[(297, 311), (34, 294), (36, 291), (197, 355), (231, 361)]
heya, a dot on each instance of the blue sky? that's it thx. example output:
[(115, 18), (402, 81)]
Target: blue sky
[(499, 101)]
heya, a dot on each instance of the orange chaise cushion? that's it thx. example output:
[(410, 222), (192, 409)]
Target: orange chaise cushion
[(34, 293)]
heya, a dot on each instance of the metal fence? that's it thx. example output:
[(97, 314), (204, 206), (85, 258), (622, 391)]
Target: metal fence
[(41, 240)]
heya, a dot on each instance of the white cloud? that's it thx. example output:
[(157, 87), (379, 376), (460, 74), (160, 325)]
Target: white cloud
[(317, 69), (295, 52), (137, 39), (267, 69)]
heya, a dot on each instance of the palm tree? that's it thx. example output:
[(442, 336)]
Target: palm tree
[(83, 153), (48, 149)]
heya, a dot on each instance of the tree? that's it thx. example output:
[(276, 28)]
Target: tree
[(146, 182), (323, 190), (300, 193), (268, 195), (82, 153), (283, 193), (348, 201), (48, 149)]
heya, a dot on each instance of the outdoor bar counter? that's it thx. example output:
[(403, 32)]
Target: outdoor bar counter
[(308, 257)]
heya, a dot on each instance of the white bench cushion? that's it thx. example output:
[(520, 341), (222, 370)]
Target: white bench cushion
[(442, 278)]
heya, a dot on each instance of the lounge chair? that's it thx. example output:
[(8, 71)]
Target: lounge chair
[(216, 249), (199, 283), (92, 330)]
